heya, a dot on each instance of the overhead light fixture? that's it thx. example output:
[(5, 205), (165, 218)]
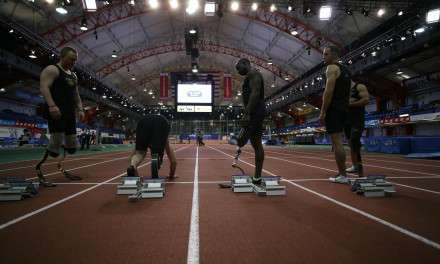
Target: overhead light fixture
[(11, 31), (114, 55), (192, 31), (374, 53), (94, 88), (150, 92), (2, 90), (145, 90), (133, 78), (290, 8), (399, 72), (104, 96), (193, 6), (131, 2), (154, 97), (433, 16), (83, 24), (32, 55), (154, 4), (89, 5), (273, 8), (348, 11), (380, 12), (405, 76), (49, 1), (61, 10), (402, 38), (400, 13), (363, 55), (325, 12), (254, 6), (174, 4), (294, 32), (235, 6), (419, 30)]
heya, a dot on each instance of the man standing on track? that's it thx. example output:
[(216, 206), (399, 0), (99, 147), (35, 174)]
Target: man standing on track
[(59, 86), (152, 133), (254, 113), (335, 104), (359, 98)]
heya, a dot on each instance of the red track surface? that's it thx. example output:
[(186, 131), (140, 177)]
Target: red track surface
[(316, 222)]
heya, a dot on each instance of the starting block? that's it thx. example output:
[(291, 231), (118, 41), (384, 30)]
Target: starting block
[(150, 188), (270, 186), (129, 185), (17, 188), (242, 184), (372, 186)]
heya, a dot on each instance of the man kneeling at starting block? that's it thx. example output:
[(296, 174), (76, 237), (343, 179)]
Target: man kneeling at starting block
[(152, 133)]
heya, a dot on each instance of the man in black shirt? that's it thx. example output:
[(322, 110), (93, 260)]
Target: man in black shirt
[(152, 133), (334, 108), (58, 85), (355, 125), (254, 113)]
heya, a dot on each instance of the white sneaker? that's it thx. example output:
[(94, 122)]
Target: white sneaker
[(339, 179), (352, 169)]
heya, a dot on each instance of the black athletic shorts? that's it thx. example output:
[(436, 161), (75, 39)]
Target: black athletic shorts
[(66, 124), (335, 120), (353, 132), (152, 132)]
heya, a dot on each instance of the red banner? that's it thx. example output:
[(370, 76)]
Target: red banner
[(394, 120), (227, 86), (164, 86)]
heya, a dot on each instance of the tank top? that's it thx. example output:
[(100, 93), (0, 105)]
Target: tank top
[(247, 90), (341, 93), (63, 91)]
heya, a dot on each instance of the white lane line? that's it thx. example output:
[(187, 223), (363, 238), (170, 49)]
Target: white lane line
[(23, 217), (321, 168), (193, 242), (416, 188), (365, 165), (353, 209), (85, 154), (68, 160)]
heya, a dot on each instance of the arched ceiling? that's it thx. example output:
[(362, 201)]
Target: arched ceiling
[(150, 41)]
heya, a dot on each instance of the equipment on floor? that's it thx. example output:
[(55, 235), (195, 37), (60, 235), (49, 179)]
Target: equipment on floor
[(17, 188), (150, 188), (372, 186), (129, 185), (270, 186), (242, 184)]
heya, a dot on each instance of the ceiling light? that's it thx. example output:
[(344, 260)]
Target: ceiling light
[(11, 31), (49, 1), (400, 13), (83, 24), (399, 72), (365, 12), (420, 30), (114, 55), (380, 12), (104, 96), (192, 31), (133, 78), (254, 6), (154, 4), (32, 55), (433, 16), (61, 10), (174, 4), (402, 38), (235, 6), (93, 88), (325, 12), (273, 8), (374, 53), (193, 6), (2, 90), (348, 11), (294, 32), (131, 2)]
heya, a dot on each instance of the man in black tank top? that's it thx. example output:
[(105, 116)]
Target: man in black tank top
[(58, 85), (152, 133), (335, 101), (355, 125), (254, 113)]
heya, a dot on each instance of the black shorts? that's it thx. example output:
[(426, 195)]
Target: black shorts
[(335, 121), (152, 132), (353, 132), (66, 124)]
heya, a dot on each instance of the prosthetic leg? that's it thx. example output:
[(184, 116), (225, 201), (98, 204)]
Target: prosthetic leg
[(42, 180), (63, 171)]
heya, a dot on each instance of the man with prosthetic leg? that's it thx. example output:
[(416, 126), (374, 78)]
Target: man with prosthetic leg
[(58, 85), (355, 125), (151, 133)]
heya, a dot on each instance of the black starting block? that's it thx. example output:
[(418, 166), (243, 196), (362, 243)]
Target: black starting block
[(17, 188), (372, 186), (270, 186)]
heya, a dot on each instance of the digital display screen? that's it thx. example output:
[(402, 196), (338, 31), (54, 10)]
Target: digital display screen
[(194, 93)]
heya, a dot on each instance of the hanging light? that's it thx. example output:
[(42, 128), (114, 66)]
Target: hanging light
[(273, 8), (32, 55), (114, 55), (83, 24), (155, 4), (254, 6)]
